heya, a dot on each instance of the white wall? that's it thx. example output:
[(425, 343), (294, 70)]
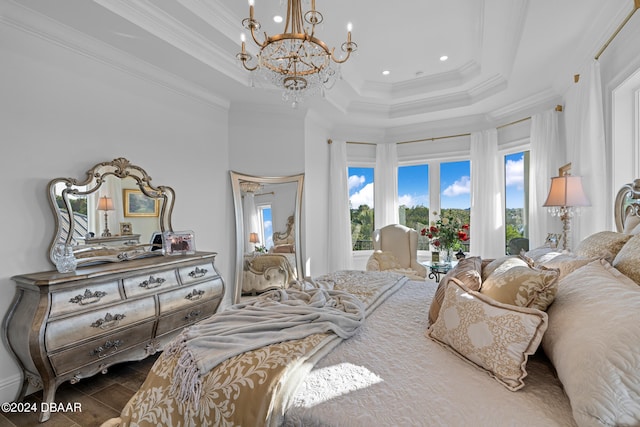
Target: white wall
[(61, 113)]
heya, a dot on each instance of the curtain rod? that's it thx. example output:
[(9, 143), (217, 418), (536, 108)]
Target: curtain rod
[(636, 6), (558, 108)]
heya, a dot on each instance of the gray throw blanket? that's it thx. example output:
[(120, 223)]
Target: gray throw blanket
[(273, 317)]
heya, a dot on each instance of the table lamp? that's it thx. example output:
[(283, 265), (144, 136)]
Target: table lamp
[(105, 204)]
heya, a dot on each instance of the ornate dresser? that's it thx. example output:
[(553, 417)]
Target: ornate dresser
[(69, 326)]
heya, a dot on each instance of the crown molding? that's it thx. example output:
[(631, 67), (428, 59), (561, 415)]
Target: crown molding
[(35, 24), (151, 18)]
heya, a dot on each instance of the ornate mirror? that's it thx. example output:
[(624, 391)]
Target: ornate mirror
[(112, 215), (267, 231)]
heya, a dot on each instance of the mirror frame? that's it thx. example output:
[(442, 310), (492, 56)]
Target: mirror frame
[(236, 177), (96, 176)]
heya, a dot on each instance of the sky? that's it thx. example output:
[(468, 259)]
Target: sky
[(455, 184)]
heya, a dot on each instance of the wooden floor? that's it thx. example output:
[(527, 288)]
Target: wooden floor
[(100, 397)]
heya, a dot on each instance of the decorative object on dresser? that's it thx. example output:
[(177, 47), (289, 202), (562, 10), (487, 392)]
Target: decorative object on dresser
[(66, 327), (77, 212)]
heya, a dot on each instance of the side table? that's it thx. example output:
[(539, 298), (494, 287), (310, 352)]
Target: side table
[(436, 269)]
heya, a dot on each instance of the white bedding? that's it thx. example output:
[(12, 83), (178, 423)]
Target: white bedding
[(390, 374)]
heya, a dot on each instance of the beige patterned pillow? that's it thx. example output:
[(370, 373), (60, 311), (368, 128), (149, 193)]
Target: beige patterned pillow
[(566, 263), (536, 253), (522, 286), (627, 260), (604, 244), (386, 260), (501, 264), (467, 271), (494, 337)]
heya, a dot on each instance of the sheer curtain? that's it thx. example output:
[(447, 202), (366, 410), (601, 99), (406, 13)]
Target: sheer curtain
[(545, 159), (587, 153), (251, 223), (386, 185), (339, 239), (487, 201)]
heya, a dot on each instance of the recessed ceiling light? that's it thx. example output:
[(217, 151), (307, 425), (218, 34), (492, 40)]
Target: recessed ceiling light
[(386, 72), (444, 58), (277, 19)]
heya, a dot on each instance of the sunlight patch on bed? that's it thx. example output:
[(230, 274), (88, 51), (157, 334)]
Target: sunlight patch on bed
[(324, 384)]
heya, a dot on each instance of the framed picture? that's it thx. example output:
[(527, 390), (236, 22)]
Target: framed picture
[(178, 242), (126, 229), (136, 203), (435, 257)]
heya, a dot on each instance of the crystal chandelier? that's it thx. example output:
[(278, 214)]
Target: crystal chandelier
[(295, 60)]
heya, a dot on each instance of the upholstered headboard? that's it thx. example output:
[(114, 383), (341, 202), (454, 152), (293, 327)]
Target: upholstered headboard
[(627, 208), (283, 241)]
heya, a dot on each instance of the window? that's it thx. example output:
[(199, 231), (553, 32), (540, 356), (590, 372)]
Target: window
[(455, 193), (266, 225), (360, 183), (413, 199), (516, 167)]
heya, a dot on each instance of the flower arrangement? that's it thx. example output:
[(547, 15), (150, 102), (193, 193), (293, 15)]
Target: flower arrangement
[(446, 233)]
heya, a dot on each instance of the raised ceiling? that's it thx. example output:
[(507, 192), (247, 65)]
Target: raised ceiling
[(507, 58)]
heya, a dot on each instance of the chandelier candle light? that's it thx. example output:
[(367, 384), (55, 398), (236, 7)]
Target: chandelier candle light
[(565, 194), (295, 60)]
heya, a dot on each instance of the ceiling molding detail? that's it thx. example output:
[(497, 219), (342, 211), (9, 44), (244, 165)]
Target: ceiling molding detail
[(51, 31), (154, 20)]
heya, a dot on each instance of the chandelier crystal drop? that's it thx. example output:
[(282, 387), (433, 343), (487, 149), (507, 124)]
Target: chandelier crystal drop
[(295, 60)]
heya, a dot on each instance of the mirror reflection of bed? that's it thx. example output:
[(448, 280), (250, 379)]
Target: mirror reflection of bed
[(276, 267)]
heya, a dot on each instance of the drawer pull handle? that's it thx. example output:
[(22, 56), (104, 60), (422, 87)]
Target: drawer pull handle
[(198, 272), (193, 314), (152, 282), (108, 345), (109, 321), (88, 297), (194, 295)]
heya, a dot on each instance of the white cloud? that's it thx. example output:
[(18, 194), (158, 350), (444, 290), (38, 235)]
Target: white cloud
[(406, 200), (461, 186), (514, 173), (362, 197), (355, 181)]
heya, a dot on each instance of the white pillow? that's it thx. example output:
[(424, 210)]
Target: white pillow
[(497, 338), (593, 340)]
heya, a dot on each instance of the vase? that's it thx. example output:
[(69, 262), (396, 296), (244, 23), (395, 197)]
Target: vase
[(65, 260), (447, 256)]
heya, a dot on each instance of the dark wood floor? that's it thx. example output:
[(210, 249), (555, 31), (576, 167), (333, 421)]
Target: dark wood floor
[(100, 397)]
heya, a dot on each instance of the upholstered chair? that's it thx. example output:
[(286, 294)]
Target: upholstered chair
[(396, 249)]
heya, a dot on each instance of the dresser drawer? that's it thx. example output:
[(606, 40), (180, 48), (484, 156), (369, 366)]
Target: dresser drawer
[(186, 317), (101, 348), (189, 295), (197, 273), (66, 331), (150, 283), (88, 297)]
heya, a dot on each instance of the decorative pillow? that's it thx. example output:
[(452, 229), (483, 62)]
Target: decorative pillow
[(593, 342), (494, 337), (386, 260), (467, 271), (522, 286), (628, 260), (631, 222), (565, 263), (283, 249), (604, 244), (501, 264), (536, 253)]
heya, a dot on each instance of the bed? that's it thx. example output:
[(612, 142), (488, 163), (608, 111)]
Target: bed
[(564, 351)]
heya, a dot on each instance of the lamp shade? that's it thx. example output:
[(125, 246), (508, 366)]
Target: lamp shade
[(253, 238), (566, 191), (105, 204)]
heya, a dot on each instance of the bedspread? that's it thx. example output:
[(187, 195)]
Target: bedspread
[(255, 387), (390, 374)]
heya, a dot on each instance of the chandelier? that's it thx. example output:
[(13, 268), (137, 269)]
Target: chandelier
[(295, 60)]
